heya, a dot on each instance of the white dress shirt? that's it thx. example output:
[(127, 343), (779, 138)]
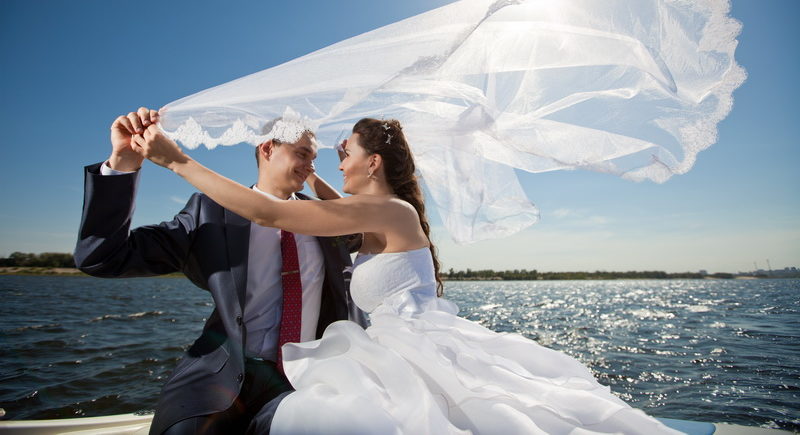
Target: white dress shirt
[(263, 306), (264, 293)]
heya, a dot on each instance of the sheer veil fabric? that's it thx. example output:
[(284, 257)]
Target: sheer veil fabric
[(633, 88)]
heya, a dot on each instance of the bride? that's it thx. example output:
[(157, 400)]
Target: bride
[(419, 368)]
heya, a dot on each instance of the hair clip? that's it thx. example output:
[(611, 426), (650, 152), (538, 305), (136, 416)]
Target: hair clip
[(388, 139)]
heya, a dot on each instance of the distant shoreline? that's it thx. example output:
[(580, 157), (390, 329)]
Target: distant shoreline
[(59, 271), (71, 271), (596, 279)]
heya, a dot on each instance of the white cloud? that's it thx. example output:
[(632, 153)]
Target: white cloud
[(573, 217), (562, 213), (597, 220)]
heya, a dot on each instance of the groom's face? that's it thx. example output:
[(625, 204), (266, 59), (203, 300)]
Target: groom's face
[(289, 164)]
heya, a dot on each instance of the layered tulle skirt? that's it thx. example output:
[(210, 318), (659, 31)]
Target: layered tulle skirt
[(433, 372)]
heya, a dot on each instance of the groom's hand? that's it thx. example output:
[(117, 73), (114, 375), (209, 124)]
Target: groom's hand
[(123, 157), (155, 146)]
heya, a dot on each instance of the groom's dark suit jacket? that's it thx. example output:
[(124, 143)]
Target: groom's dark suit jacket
[(209, 244)]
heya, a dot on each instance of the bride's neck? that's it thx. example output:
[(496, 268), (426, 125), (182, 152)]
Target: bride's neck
[(377, 188)]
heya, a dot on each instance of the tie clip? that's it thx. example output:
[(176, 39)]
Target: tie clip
[(288, 272)]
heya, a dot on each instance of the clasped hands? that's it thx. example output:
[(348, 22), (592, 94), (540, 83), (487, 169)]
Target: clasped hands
[(136, 137)]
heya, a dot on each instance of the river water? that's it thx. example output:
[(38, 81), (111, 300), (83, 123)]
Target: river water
[(706, 350)]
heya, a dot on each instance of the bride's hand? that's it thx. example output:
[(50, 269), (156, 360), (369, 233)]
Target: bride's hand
[(155, 146), (312, 176), (320, 187)]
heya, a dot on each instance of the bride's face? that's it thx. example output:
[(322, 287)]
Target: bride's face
[(355, 166)]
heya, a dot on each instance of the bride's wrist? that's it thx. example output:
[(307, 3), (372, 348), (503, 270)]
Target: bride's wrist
[(181, 165)]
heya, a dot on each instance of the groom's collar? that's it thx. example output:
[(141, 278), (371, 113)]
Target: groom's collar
[(269, 195)]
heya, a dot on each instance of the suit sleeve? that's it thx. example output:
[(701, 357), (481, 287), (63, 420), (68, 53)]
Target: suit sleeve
[(107, 247)]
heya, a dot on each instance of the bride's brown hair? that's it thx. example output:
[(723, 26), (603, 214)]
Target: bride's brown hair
[(386, 138)]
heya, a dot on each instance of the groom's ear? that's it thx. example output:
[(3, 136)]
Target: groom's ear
[(258, 154), (264, 150), (267, 149)]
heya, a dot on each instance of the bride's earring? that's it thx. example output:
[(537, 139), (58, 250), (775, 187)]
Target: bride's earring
[(369, 174)]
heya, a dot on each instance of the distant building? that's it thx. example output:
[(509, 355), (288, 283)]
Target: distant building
[(786, 272)]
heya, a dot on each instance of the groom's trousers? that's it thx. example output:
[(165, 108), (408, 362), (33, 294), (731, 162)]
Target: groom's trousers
[(262, 383)]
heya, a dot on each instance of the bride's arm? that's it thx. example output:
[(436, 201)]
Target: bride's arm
[(321, 188), (354, 214)]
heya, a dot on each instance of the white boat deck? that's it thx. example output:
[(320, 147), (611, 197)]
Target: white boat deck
[(132, 424)]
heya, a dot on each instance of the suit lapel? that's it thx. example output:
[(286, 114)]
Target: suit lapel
[(237, 230)]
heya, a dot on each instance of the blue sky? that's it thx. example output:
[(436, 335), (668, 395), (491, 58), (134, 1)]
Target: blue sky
[(69, 68)]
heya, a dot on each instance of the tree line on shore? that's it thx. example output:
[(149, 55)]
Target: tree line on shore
[(57, 259), (528, 275), (45, 259)]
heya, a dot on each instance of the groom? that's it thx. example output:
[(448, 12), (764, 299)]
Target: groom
[(231, 373)]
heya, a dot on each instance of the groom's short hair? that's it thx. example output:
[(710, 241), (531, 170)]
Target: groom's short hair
[(268, 127)]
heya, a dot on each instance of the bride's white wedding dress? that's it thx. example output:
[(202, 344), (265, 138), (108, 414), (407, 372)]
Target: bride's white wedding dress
[(420, 369)]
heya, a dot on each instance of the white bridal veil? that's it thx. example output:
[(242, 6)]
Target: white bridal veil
[(627, 87)]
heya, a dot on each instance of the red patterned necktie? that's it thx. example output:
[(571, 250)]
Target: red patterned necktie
[(292, 295)]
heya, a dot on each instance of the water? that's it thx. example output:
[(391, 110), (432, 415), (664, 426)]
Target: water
[(707, 350)]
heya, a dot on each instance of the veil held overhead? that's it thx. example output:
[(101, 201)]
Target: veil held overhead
[(633, 88)]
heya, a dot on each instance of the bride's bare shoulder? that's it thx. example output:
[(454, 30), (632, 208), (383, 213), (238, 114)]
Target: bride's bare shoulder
[(402, 204), (404, 209)]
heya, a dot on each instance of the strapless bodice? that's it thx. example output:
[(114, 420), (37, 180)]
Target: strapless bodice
[(419, 368), (396, 281)]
